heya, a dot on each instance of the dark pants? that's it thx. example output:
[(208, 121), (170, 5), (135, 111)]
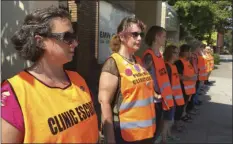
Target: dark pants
[(190, 105), (158, 110), (178, 112)]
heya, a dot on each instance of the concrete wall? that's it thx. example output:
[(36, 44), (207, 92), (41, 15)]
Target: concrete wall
[(12, 15), (146, 11)]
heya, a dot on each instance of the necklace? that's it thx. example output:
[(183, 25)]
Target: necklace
[(130, 60)]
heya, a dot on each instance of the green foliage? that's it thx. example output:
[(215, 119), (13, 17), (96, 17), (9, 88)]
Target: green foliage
[(228, 41), (216, 59), (203, 18)]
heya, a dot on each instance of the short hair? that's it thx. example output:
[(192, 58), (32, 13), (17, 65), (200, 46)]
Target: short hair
[(195, 44), (36, 23), (184, 48), (151, 33)]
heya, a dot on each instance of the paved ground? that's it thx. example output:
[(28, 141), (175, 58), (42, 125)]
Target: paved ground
[(214, 123)]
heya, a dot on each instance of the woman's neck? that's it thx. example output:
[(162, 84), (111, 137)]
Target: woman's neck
[(155, 47), (49, 70), (171, 61), (125, 52)]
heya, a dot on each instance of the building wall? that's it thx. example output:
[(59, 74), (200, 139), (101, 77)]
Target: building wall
[(146, 11), (12, 16)]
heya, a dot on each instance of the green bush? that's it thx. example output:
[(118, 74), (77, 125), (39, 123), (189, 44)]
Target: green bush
[(216, 59)]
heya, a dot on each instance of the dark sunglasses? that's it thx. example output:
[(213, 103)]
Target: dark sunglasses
[(136, 34), (66, 37)]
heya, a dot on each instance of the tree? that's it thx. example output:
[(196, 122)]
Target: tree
[(202, 18)]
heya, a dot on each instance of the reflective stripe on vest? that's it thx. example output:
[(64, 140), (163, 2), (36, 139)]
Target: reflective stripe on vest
[(189, 85), (136, 109), (137, 103), (176, 88), (136, 124)]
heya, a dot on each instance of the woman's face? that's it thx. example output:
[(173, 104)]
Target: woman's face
[(175, 54), (132, 38), (60, 46), (160, 38)]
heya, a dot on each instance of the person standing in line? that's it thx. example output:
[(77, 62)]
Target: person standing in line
[(188, 79), (199, 65), (45, 103), (126, 89), (154, 63), (171, 54)]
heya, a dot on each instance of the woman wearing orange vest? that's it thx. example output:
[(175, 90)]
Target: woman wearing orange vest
[(198, 62), (45, 103), (171, 54), (126, 89), (153, 60), (188, 78), (210, 61)]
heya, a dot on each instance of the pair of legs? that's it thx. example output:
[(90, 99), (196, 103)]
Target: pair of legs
[(177, 118), (168, 117)]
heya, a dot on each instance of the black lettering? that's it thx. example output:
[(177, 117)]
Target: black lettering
[(73, 116), (92, 111), (58, 124), (53, 128), (72, 122), (86, 110), (134, 82), (101, 34), (62, 122), (79, 114), (83, 112), (66, 119)]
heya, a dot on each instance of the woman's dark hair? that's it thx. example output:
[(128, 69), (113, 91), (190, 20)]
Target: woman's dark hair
[(167, 54), (36, 23), (184, 48), (151, 33), (115, 41)]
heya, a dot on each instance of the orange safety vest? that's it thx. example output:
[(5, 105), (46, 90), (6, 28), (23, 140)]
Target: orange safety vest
[(138, 60), (207, 61), (163, 80), (54, 115), (211, 62), (176, 88), (202, 69), (189, 86), (136, 111)]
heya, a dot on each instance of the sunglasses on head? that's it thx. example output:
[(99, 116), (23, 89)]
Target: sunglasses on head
[(136, 34), (66, 37)]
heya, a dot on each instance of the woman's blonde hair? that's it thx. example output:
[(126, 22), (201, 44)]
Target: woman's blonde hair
[(115, 42)]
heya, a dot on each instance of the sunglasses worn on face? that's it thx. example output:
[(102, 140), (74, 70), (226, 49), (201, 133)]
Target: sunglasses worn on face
[(66, 37), (136, 34)]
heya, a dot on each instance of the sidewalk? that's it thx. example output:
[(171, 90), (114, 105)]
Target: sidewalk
[(214, 123)]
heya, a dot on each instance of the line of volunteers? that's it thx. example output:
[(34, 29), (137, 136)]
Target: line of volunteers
[(139, 97)]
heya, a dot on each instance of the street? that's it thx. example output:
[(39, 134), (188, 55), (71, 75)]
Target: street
[(214, 123)]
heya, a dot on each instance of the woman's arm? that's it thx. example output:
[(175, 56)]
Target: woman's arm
[(107, 88), (11, 116), (10, 134)]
